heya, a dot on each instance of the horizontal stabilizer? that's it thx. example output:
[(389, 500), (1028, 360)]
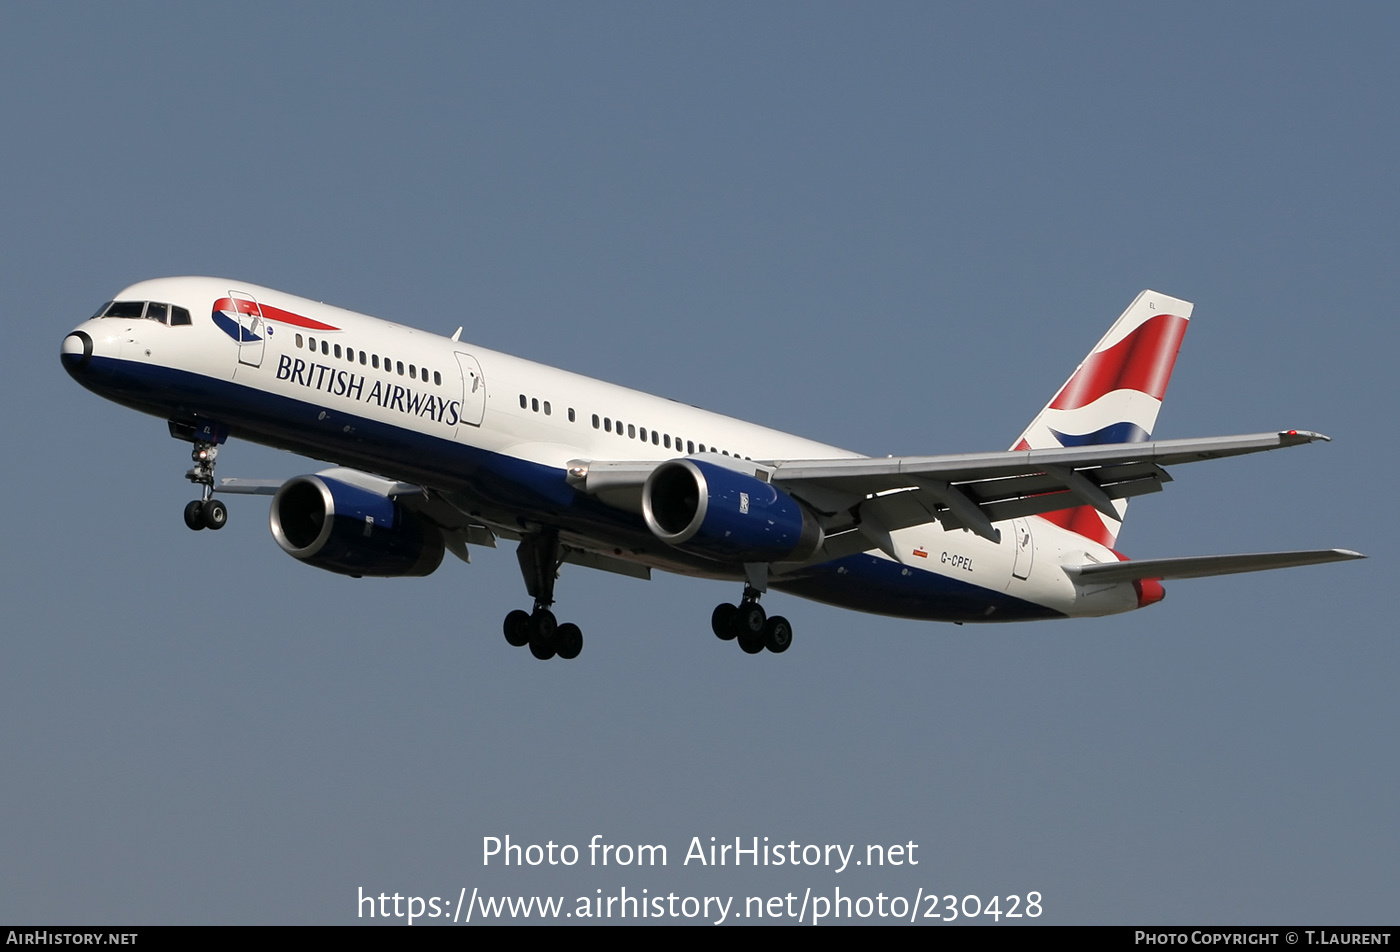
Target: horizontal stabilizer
[(1204, 566)]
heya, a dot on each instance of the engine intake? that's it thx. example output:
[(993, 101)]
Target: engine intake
[(729, 516), (352, 531)]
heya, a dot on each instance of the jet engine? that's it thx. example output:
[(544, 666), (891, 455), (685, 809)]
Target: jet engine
[(719, 513), (352, 531)]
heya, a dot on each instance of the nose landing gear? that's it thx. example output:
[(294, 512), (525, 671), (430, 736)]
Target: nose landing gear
[(205, 512)]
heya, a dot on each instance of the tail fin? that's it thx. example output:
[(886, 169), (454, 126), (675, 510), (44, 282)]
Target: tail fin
[(1113, 397)]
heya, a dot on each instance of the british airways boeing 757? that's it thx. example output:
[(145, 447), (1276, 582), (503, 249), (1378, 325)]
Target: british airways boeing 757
[(439, 445)]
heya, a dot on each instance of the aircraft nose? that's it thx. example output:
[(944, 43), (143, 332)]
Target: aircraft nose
[(76, 351)]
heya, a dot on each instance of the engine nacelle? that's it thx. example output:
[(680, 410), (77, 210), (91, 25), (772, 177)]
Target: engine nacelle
[(729, 516), (353, 531)]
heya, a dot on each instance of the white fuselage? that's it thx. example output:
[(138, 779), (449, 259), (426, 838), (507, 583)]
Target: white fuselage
[(501, 432)]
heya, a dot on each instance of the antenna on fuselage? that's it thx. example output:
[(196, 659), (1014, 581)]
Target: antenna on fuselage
[(457, 335)]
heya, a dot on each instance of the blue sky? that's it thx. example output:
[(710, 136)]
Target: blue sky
[(893, 228)]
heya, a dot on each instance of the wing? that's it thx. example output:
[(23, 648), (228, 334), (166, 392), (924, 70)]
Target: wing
[(860, 501), (450, 516), (973, 491)]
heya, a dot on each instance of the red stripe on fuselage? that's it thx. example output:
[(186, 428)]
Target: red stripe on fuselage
[(1141, 361), (271, 313)]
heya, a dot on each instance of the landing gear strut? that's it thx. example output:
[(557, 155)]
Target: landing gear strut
[(750, 625), (206, 512), (539, 564)]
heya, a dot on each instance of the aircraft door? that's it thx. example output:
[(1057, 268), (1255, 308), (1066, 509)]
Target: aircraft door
[(473, 390), (1025, 549), (252, 329)]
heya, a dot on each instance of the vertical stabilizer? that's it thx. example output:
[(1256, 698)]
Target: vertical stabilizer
[(1113, 397)]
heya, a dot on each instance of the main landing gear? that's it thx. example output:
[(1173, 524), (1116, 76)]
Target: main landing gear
[(750, 625), (205, 512), (539, 564)]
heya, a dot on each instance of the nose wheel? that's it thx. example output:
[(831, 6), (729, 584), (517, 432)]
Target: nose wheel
[(748, 624), (205, 512), (205, 515)]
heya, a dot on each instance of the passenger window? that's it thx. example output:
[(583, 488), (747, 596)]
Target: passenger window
[(350, 354), (546, 408), (644, 434), (655, 441), (374, 361), (667, 440), (689, 446), (337, 351), (437, 379), (631, 432), (326, 348), (399, 365), (571, 414), (313, 343), (523, 404), (535, 404), (299, 342), (412, 372), (362, 358), (607, 424), (595, 421)]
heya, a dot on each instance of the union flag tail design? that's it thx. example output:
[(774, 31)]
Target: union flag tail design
[(1113, 397)]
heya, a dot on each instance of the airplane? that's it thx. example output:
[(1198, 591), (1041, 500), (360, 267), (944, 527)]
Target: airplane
[(438, 445)]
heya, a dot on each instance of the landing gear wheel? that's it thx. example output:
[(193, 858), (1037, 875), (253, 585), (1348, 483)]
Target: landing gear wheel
[(568, 641), (542, 648), (517, 629), (543, 624), (194, 514), (215, 514), (543, 627), (777, 634), (751, 641), (722, 621), (749, 618)]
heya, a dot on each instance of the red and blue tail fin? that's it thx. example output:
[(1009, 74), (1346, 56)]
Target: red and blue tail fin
[(1113, 397)]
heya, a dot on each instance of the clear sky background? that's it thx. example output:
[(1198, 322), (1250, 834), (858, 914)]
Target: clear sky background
[(894, 228)]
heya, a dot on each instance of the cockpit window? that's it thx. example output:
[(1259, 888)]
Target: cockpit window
[(125, 309), (153, 311)]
